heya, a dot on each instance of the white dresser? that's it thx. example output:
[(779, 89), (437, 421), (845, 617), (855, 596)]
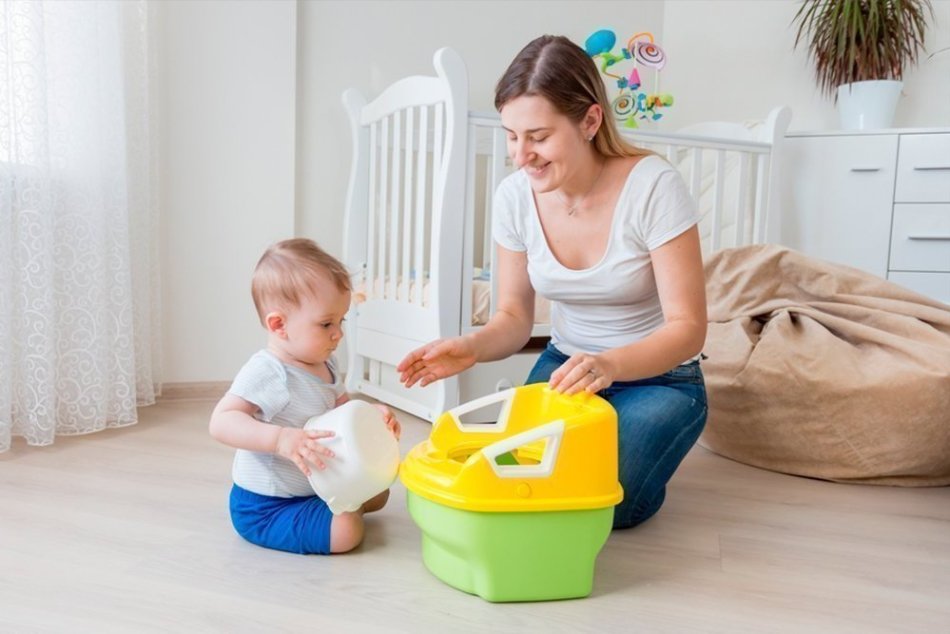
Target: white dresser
[(876, 200)]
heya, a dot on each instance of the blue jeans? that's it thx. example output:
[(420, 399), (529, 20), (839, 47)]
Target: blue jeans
[(659, 420)]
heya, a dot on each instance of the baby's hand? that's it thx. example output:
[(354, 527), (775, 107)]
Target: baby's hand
[(390, 419), (300, 446)]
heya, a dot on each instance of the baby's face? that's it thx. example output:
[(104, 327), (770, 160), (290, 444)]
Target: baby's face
[(314, 329)]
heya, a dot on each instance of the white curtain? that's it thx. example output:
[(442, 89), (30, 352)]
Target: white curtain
[(79, 292)]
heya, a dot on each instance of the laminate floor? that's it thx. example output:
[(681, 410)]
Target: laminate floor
[(128, 531)]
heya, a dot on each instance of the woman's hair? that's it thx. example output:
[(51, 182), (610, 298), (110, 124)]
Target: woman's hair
[(557, 69), (289, 270)]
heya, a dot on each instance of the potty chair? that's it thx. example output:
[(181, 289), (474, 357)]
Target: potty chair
[(517, 510)]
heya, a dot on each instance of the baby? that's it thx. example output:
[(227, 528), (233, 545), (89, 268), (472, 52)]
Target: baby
[(302, 294)]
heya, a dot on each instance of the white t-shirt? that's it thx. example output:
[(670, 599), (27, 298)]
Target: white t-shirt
[(615, 302), (287, 396)]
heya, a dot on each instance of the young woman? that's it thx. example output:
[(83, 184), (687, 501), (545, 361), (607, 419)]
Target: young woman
[(608, 233)]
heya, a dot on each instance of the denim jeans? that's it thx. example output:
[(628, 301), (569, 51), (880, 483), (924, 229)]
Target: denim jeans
[(659, 420)]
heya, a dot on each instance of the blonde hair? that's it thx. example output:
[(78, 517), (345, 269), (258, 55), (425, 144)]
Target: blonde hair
[(557, 69), (288, 271)]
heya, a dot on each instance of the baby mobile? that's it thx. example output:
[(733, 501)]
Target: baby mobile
[(632, 103)]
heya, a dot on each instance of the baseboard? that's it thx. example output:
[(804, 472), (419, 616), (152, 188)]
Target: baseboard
[(194, 391)]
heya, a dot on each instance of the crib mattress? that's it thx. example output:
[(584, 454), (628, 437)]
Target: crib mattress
[(481, 300)]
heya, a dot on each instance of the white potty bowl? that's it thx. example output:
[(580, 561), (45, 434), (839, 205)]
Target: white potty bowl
[(366, 458)]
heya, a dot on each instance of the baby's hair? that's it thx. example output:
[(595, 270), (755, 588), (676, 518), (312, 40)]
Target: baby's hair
[(287, 272)]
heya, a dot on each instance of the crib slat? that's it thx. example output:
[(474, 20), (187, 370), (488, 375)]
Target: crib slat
[(490, 185), (383, 204), (488, 196), (499, 153), (421, 156), (761, 220), (718, 185), (742, 208), (696, 174), (404, 276), (438, 150), (395, 201), (370, 280), (671, 154), (468, 232)]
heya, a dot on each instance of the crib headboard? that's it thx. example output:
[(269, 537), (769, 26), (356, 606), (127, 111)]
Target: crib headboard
[(407, 171)]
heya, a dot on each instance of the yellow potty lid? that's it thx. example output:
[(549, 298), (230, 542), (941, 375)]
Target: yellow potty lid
[(546, 452)]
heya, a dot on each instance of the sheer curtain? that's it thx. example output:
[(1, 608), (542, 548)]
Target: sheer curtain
[(79, 292)]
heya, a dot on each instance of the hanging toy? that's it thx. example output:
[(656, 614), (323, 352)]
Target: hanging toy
[(634, 82), (600, 42), (650, 55), (632, 103)]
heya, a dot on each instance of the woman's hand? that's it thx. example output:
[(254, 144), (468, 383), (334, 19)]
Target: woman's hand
[(582, 371), (392, 424), (300, 447), (437, 360)]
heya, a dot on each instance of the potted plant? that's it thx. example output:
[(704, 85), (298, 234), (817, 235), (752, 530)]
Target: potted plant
[(860, 49)]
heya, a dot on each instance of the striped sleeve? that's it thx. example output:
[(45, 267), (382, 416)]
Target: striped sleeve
[(263, 382)]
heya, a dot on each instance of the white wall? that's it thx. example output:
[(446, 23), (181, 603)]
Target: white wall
[(734, 60), (227, 111)]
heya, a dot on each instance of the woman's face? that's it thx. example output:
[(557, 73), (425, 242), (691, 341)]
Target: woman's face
[(544, 142)]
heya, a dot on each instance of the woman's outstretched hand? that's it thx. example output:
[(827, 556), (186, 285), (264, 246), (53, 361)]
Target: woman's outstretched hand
[(582, 371), (436, 360)]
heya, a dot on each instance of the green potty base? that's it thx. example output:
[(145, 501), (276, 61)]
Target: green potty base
[(518, 556)]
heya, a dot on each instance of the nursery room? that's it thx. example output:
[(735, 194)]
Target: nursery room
[(645, 326)]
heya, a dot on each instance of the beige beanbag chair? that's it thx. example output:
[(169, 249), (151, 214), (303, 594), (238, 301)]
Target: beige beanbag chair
[(825, 371)]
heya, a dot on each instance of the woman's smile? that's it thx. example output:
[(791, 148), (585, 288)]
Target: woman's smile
[(537, 171)]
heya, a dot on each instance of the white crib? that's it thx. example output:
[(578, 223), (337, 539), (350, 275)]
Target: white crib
[(417, 231)]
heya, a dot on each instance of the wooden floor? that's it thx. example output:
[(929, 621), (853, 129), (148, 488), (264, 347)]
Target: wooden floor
[(127, 531)]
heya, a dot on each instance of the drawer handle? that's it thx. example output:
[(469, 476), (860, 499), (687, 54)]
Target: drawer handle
[(865, 169), (929, 237), (931, 168)]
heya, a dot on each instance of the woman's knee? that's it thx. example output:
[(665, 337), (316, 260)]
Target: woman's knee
[(346, 532), (653, 441), (658, 420), (628, 514)]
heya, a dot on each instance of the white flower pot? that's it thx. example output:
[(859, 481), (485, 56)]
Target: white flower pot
[(868, 105)]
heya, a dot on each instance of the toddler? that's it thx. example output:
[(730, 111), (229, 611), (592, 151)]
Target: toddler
[(301, 294)]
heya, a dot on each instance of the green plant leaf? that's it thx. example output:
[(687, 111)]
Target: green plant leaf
[(858, 40)]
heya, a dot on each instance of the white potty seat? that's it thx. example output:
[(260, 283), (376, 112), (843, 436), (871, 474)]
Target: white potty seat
[(366, 456)]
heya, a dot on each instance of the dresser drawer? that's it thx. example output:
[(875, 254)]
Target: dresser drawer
[(923, 169), (920, 240), (936, 285), (839, 199)]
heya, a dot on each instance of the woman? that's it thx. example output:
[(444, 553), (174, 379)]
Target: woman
[(607, 232)]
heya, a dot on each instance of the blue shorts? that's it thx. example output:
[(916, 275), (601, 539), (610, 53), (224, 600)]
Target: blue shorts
[(296, 525)]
